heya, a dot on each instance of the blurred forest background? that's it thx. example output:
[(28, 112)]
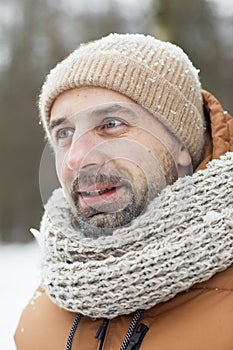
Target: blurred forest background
[(36, 34)]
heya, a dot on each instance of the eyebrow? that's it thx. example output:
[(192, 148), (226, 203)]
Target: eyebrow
[(56, 122), (115, 108)]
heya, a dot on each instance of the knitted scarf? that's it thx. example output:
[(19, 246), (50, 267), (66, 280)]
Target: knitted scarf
[(184, 237)]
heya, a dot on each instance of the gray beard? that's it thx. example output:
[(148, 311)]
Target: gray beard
[(104, 224)]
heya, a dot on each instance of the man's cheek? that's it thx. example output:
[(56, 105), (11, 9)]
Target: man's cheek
[(63, 173)]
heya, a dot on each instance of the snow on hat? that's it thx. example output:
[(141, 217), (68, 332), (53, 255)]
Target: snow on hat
[(157, 75)]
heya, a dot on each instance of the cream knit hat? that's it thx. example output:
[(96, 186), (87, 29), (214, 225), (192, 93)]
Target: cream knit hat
[(157, 75)]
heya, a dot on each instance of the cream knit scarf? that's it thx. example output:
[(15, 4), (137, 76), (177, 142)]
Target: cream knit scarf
[(184, 237)]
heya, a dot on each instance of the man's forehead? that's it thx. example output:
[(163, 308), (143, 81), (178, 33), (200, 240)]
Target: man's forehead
[(131, 110), (86, 97), (89, 95)]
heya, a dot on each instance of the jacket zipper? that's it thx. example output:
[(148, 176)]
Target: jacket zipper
[(100, 334), (137, 337), (134, 342)]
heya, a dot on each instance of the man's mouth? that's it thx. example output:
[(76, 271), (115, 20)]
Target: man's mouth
[(104, 197), (97, 192)]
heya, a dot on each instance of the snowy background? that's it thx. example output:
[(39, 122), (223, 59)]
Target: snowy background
[(19, 277)]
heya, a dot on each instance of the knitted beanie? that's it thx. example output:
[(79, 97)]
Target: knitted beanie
[(157, 75)]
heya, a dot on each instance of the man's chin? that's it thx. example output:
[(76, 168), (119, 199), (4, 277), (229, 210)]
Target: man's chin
[(106, 220), (95, 226), (104, 224)]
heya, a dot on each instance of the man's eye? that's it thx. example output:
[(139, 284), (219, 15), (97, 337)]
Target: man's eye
[(111, 123), (64, 133), (112, 126)]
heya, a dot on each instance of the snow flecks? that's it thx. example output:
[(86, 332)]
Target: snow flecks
[(225, 112), (151, 52), (152, 80), (211, 216), (34, 299), (36, 295)]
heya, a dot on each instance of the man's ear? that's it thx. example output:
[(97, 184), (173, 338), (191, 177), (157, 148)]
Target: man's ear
[(184, 161), (184, 158)]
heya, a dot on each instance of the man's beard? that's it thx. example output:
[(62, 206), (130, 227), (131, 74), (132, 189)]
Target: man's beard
[(101, 220), (96, 221)]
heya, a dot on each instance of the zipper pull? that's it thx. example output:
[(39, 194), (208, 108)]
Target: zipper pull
[(137, 337), (102, 330)]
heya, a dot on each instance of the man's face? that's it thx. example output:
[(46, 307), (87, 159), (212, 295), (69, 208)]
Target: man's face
[(112, 157)]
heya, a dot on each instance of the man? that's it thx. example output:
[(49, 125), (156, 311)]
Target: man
[(136, 249)]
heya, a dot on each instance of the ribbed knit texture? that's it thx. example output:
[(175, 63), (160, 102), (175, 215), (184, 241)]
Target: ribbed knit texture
[(184, 237), (157, 75)]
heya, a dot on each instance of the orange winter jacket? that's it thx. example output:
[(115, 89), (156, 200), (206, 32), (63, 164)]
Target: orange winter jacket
[(198, 319)]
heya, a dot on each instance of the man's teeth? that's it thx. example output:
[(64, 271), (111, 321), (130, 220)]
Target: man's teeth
[(96, 192)]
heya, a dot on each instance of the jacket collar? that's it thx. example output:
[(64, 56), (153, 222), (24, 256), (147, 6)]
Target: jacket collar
[(219, 131)]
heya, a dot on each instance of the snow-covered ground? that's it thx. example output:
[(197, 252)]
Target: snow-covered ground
[(19, 277)]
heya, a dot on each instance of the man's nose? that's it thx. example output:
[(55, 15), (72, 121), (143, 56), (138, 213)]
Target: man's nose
[(85, 150)]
